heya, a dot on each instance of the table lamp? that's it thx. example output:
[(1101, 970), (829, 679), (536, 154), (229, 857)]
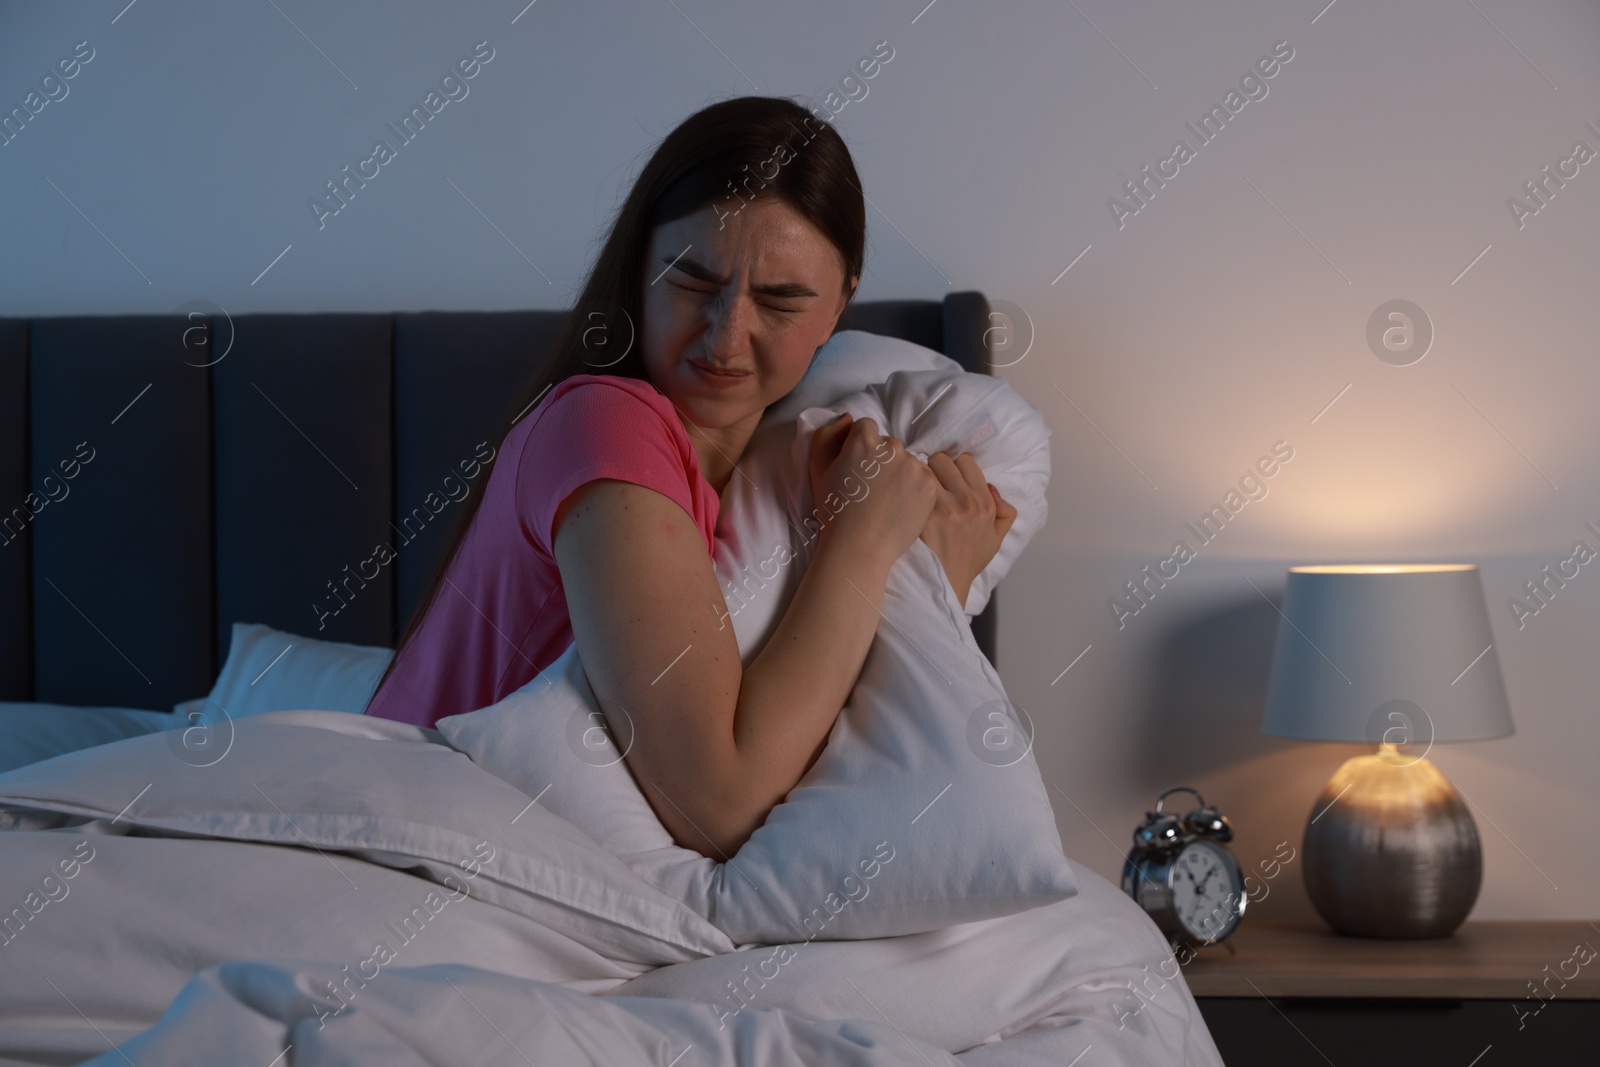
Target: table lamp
[(1398, 656)]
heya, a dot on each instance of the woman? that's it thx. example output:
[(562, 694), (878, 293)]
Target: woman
[(738, 248)]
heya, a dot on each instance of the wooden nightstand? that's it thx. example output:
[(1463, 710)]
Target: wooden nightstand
[(1295, 994)]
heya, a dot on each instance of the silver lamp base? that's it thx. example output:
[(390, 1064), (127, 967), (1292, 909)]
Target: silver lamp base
[(1391, 850)]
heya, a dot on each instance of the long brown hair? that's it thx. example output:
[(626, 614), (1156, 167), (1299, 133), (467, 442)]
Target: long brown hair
[(725, 155)]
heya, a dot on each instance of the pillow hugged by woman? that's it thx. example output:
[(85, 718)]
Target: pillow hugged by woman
[(721, 276)]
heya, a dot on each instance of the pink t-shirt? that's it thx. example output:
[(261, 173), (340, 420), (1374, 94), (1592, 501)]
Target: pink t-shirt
[(500, 615)]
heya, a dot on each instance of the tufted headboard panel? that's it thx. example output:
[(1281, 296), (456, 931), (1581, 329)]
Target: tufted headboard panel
[(176, 489)]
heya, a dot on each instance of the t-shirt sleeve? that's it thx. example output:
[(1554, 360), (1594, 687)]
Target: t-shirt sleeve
[(596, 430)]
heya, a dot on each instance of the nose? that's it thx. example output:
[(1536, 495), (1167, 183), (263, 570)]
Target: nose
[(732, 319)]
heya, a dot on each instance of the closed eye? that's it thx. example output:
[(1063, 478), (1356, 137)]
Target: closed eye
[(781, 308)]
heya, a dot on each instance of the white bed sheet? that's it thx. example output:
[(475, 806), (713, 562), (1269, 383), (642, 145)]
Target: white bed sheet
[(30, 732), (1086, 971), (229, 906)]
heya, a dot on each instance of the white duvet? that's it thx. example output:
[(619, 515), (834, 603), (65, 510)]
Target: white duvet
[(359, 891)]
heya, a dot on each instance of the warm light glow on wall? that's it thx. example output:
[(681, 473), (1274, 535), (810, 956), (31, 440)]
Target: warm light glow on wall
[(1382, 568)]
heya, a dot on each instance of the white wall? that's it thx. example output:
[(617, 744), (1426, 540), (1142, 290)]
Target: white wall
[(1221, 318)]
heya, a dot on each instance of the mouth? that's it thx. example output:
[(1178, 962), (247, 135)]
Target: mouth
[(717, 376)]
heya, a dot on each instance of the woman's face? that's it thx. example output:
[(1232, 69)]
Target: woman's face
[(734, 308)]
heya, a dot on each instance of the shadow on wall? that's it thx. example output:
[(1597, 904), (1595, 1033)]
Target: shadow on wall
[(1202, 727), (1205, 710)]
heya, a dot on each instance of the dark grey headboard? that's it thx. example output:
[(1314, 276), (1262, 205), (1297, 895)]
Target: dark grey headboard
[(171, 499)]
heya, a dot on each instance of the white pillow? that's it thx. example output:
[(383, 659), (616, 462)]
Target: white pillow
[(270, 670), (927, 401), (926, 808), (30, 732)]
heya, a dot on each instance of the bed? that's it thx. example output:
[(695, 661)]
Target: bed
[(316, 904)]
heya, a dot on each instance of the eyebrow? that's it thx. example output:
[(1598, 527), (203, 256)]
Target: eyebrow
[(790, 290)]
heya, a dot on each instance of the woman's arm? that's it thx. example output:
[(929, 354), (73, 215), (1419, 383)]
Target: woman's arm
[(716, 747)]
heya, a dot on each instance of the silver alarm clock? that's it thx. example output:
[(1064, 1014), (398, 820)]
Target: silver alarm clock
[(1183, 877)]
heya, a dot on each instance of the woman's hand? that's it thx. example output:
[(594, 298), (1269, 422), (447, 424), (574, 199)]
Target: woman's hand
[(968, 521), (867, 490)]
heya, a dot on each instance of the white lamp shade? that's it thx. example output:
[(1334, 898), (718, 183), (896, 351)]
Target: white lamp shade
[(1375, 652)]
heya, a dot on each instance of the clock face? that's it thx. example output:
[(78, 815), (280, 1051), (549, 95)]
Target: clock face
[(1207, 895)]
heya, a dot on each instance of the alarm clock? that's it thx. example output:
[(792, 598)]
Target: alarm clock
[(1182, 875)]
